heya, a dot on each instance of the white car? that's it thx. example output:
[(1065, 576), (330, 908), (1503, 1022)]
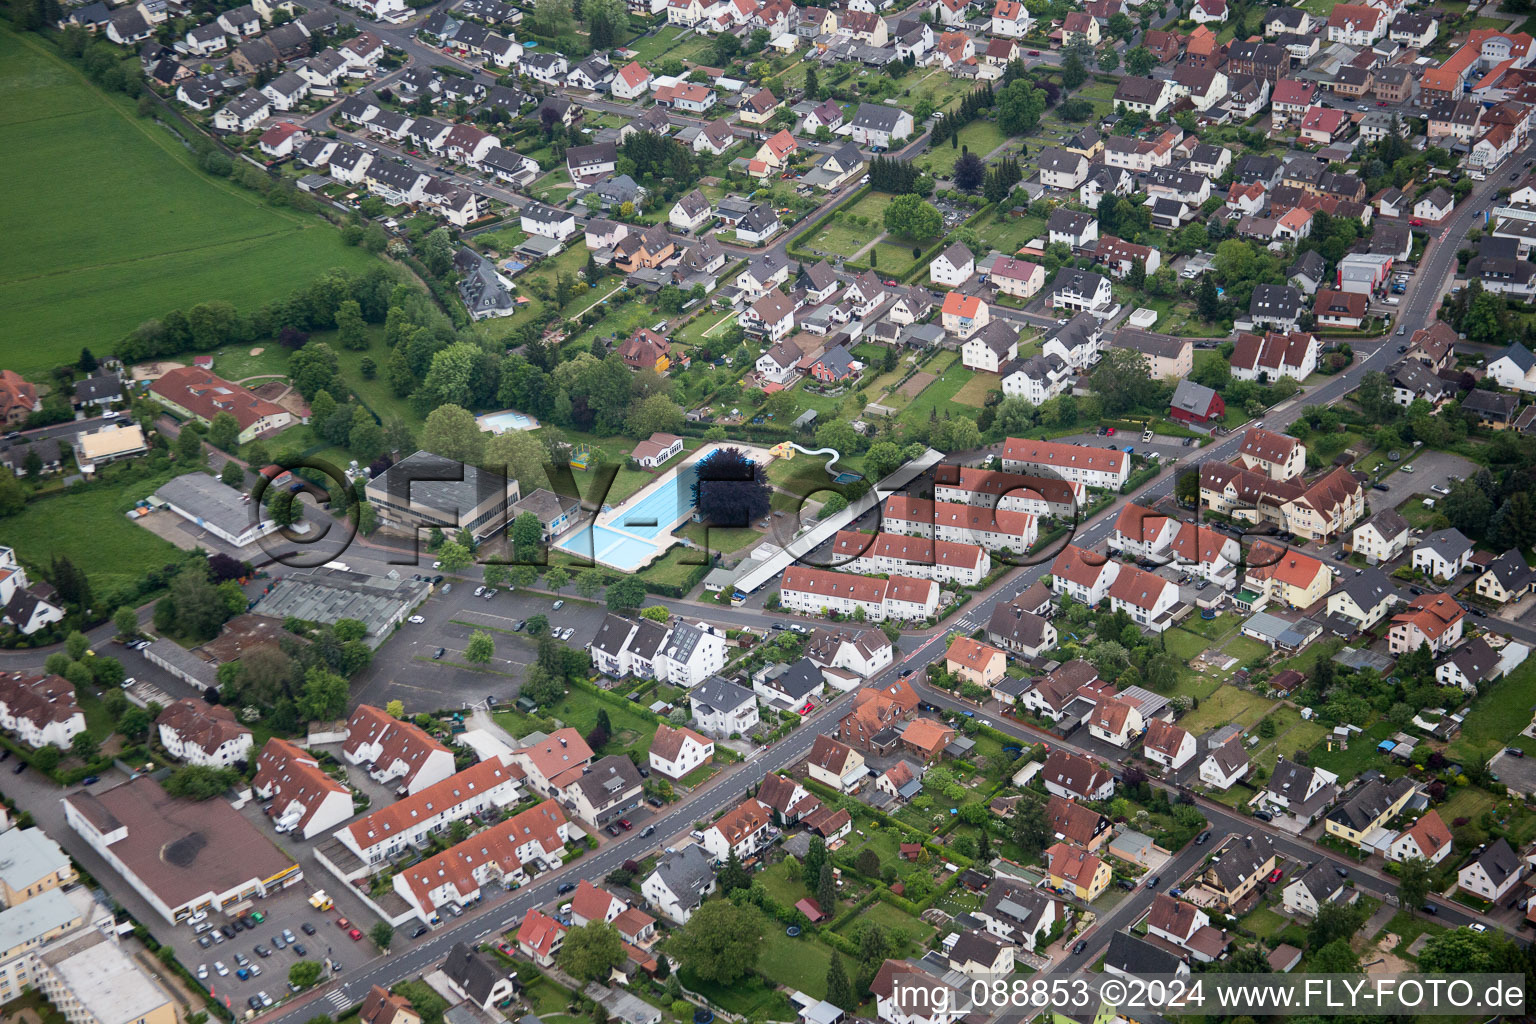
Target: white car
[(202, 972), (437, 565), (1440, 489), (1478, 926), (266, 1000), (198, 918), (479, 591), (557, 606), (415, 620), (218, 965), (129, 682)]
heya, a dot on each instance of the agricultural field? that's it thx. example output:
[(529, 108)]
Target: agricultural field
[(84, 265)]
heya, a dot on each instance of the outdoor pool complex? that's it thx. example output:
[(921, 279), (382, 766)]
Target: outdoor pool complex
[(506, 420), (640, 529)]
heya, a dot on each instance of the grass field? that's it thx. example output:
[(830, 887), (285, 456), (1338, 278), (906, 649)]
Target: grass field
[(980, 137), (1009, 234), (843, 235), (109, 223), (1226, 705), (89, 527)]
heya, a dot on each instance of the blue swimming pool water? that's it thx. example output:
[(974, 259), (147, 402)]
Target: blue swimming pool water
[(609, 547), (661, 508)]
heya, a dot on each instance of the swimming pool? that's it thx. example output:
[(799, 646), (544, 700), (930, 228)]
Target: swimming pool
[(507, 419), (633, 534)]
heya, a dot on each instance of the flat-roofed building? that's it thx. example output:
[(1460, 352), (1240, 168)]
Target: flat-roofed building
[(181, 856), (424, 490)]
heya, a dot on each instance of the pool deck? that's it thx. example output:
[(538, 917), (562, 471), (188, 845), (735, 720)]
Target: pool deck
[(665, 540), (486, 422)]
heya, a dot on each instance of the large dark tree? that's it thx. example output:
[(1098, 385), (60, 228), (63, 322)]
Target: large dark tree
[(731, 490), (969, 171)]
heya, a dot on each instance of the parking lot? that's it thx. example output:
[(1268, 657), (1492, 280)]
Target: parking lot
[(412, 673)]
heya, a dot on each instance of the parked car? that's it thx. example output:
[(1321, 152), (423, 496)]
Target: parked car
[(307, 928)]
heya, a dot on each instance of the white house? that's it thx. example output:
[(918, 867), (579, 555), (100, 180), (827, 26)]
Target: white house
[(691, 654), (40, 710), (721, 708), (305, 799), (1381, 538), (1493, 872), (1428, 839), (1224, 765), (1168, 745), (677, 751), (393, 749), (1515, 369), (548, 222), (742, 831), (681, 880), (952, 267), (1443, 554), (196, 732)]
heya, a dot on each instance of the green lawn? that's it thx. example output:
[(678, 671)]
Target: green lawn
[(132, 229), (89, 526), (1497, 715), (844, 235), (980, 137), (1008, 234), (1360, 755), (1226, 705), (800, 962), (650, 48), (939, 396)]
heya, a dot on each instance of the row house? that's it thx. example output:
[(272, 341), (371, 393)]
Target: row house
[(994, 529), (917, 557), (817, 591), (487, 786), (1268, 357), (394, 750), (1093, 467), (1324, 509), (1085, 576), (1040, 496), (304, 799), (1037, 379)]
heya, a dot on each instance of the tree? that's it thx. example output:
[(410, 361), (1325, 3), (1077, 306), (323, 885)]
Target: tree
[(1123, 381), (589, 582), (87, 362), (1031, 832), (812, 84), (284, 507), (189, 446), (352, 333), (1413, 884), (968, 172), (810, 867), (538, 625), (721, 941), (733, 876), (826, 890), (527, 534), (912, 217), (76, 644), (839, 989), (1019, 107), (480, 647), (199, 782), (451, 431), (13, 497), (591, 951), (133, 724), (126, 619), (1459, 951), (625, 594), (232, 475), (84, 746), (1333, 922), (1109, 58), (224, 431), (395, 708), (365, 437), (556, 578), (455, 557), (731, 490), (1139, 61), (324, 695), (313, 369), (1073, 71), (382, 933), (1338, 958), (304, 973)]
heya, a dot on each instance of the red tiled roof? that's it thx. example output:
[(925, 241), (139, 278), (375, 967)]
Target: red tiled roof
[(205, 395)]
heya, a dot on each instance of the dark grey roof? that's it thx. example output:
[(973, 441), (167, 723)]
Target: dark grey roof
[(648, 640), (720, 694), (878, 116), (684, 640), (1321, 881), (1511, 570), (688, 873), (1193, 398), (473, 972), (1475, 659), (1450, 544), (609, 780), (411, 480), (613, 634), (1491, 403), (1138, 957), (1520, 356), (1240, 858), (1499, 861), (1368, 589), (1276, 300), (1053, 159), (1369, 802), (800, 680), (1077, 332), (758, 219), (547, 505), (99, 387), (1309, 264)]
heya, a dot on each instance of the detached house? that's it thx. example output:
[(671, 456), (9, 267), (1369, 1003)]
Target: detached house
[(1492, 873), (1433, 619), (1168, 744), (1443, 555)]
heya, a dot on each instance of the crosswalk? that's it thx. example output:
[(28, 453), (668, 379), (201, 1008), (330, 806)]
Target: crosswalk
[(337, 997)]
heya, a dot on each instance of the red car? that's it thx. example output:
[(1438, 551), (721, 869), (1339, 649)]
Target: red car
[(356, 935), (1416, 223), (1274, 876), (504, 948), (343, 923), (1109, 431), (1034, 53), (625, 825)]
